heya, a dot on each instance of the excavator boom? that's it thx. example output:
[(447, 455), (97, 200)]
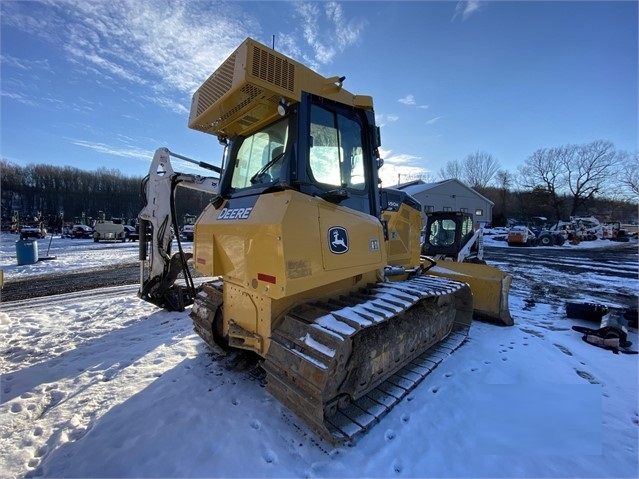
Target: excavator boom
[(157, 231)]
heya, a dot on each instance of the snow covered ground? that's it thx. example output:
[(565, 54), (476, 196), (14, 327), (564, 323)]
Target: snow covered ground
[(70, 255), (101, 384)]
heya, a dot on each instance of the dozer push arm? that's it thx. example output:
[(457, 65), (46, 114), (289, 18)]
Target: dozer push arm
[(158, 226)]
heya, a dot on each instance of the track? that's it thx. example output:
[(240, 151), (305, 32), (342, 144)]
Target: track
[(342, 364)]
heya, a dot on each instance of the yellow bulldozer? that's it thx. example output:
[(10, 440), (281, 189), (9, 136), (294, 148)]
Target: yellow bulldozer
[(314, 266)]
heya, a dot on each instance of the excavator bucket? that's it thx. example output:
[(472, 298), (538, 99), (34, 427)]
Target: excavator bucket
[(489, 286)]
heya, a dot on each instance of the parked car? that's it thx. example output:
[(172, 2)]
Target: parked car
[(131, 233), (32, 232), (80, 231), (187, 232)]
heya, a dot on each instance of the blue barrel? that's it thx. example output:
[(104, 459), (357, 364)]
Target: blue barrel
[(27, 251)]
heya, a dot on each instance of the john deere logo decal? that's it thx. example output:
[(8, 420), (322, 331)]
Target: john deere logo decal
[(338, 240)]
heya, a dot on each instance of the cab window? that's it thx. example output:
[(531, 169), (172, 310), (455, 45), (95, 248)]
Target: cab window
[(336, 153), (442, 232), (260, 156)]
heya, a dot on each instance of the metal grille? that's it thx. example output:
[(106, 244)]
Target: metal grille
[(273, 69), (251, 93), (216, 86)]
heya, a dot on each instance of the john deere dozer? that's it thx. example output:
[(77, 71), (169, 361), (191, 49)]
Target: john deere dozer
[(318, 270)]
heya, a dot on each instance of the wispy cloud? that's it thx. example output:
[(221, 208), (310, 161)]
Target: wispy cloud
[(410, 100), (168, 48), (382, 119), (20, 98), (466, 8), (173, 44), (22, 85), (434, 120), (122, 148), (326, 29), (168, 103), (24, 64), (125, 152), (407, 100), (400, 167), (171, 47)]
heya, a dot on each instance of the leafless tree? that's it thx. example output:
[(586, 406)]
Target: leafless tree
[(421, 174), (452, 169), (476, 170), (578, 171), (479, 169), (629, 173), (504, 181), (543, 171), (588, 168)]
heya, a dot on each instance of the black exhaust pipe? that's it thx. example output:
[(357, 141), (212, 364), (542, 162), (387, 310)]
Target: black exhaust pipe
[(143, 240)]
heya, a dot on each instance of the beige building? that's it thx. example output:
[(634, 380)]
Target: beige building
[(450, 195)]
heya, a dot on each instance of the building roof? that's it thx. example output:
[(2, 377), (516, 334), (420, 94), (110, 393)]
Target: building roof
[(418, 186)]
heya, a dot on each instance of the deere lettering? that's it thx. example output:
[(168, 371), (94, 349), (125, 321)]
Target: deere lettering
[(234, 213)]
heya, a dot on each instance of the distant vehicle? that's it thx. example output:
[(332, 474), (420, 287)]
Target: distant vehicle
[(37, 232), (80, 231), (189, 226), (521, 235), (131, 233), (110, 230)]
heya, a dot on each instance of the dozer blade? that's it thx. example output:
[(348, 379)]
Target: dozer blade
[(343, 364), (489, 285)]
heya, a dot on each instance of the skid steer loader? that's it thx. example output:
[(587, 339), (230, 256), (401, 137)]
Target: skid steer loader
[(316, 268), (451, 239)]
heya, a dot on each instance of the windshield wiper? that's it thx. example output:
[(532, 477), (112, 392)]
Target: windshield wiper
[(261, 173)]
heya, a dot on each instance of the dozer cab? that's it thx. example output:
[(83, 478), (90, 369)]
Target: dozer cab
[(317, 269)]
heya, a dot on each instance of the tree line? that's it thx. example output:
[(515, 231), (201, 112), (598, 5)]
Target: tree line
[(558, 182), (53, 195)]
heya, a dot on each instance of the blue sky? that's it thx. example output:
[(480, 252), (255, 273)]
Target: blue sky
[(94, 84)]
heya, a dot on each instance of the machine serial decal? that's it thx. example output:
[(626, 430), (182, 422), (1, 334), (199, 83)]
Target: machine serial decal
[(234, 214), (337, 240)]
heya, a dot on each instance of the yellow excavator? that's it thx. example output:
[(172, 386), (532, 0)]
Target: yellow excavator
[(314, 266)]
